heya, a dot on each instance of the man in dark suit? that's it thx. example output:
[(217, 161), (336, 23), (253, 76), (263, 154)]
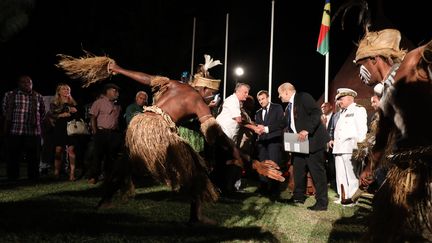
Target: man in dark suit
[(269, 142), (303, 116), (328, 119)]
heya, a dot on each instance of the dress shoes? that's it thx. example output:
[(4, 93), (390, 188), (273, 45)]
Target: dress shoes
[(347, 201), (295, 201), (317, 207)]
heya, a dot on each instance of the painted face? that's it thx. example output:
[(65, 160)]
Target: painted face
[(365, 75)]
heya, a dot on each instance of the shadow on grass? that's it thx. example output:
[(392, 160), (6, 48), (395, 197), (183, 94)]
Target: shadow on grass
[(70, 216), (353, 228)]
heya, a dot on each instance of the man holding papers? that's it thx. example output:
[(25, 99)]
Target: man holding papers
[(303, 117)]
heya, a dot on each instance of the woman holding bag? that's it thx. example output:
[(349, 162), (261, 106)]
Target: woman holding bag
[(63, 109)]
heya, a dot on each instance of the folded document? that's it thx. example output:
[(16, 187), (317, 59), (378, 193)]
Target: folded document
[(291, 144)]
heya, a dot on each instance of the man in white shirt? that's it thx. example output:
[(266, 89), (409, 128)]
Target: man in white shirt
[(230, 117), (230, 120)]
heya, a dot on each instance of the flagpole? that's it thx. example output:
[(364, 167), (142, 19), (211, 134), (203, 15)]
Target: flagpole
[(326, 86), (271, 52), (193, 46), (226, 55)]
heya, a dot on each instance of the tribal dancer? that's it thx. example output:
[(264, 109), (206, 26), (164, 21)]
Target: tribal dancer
[(402, 206), (153, 141)]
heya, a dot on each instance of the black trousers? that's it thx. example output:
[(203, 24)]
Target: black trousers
[(331, 170), (107, 146), (23, 148), (270, 150), (315, 163)]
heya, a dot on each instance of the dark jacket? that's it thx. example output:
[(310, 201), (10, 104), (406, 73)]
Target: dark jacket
[(307, 116), (273, 121)]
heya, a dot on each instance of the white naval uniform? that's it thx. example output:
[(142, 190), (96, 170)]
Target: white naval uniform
[(351, 128)]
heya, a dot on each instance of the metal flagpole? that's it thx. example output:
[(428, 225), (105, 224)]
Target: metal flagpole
[(271, 52), (193, 46), (226, 56), (326, 86)]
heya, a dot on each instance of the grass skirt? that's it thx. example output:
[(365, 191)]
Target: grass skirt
[(152, 139)]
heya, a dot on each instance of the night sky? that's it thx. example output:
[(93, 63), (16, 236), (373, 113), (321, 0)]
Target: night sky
[(156, 37)]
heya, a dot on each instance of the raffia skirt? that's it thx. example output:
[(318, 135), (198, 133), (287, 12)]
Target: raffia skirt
[(153, 140)]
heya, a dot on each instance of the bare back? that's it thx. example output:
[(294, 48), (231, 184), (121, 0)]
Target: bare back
[(181, 101)]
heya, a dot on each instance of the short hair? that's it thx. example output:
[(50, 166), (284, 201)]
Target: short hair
[(286, 86), (141, 92), (23, 76), (238, 85), (109, 86), (326, 103), (261, 92), (144, 93)]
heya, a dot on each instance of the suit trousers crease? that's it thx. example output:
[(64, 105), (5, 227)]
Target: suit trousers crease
[(315, 163)]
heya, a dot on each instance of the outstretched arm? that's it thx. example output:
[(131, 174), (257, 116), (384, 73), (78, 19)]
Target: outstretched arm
[(268, 168), (141, 77)]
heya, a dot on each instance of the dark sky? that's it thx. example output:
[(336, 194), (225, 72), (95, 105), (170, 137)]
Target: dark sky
[(156, 37)]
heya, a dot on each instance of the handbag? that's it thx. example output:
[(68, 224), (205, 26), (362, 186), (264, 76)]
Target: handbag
[(76, 127)]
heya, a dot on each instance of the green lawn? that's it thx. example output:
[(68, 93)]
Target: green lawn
[(65, 212)]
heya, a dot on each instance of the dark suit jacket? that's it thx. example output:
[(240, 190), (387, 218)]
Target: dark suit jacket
[(273, 121), (307, 116), (332, 124)]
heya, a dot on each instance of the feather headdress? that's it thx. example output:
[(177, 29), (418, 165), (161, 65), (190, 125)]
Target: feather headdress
[(202, 78), (209, 63)]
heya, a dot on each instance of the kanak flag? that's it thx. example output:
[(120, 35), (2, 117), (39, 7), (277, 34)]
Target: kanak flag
[(323, 39)]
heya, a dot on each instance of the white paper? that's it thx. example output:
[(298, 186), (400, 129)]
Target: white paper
[(296, 147), (287, 146)]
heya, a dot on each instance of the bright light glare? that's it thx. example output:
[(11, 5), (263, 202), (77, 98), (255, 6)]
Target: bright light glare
[(239, 71)]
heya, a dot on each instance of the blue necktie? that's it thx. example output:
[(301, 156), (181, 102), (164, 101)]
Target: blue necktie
[(288, 112)]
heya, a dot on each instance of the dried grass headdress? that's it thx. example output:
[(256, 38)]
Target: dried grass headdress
[(381, 43), (89, 68)]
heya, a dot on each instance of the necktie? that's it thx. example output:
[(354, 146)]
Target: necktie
[(264, 114), (288, 112)]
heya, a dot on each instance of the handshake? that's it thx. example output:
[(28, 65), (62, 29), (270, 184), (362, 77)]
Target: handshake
[(259, 129)]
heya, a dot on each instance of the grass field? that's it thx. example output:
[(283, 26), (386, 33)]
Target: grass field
[(53, 211)]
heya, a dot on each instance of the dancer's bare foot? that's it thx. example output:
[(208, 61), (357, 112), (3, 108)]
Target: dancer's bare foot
[(106, 205), (202, 221)]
